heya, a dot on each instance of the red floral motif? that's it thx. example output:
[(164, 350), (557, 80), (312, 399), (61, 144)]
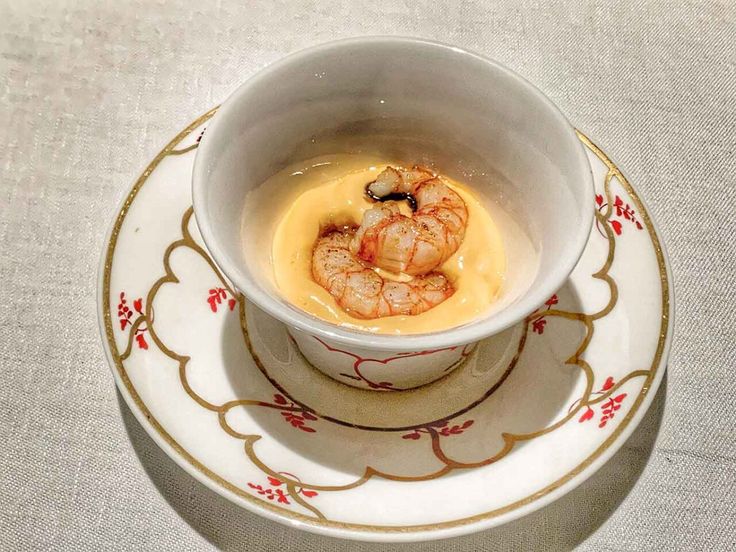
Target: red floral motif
[(622, 211), (271, 493), (608, 408), (538, 324), (294, 415), (382, 385), (217, 296), (125, 316), (440, 428)]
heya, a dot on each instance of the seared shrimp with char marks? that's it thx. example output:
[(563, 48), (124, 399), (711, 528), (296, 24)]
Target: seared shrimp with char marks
[(413, 245), (362, 292)]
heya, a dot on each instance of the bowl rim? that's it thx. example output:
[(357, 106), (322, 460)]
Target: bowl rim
[(458, 335)]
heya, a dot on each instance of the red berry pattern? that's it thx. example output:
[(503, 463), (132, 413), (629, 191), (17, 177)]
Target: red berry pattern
[(273, 492), (125, 317), (442, 428), (621, 210), (538, 324), (295, 415), (217, 296), (608, 408)]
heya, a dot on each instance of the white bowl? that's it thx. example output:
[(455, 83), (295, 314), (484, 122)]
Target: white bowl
[(410, 99)]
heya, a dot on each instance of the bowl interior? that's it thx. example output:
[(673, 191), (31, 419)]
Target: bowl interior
[(407, 101)]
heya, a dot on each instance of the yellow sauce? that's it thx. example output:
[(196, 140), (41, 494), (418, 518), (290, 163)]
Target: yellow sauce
[(334, 192)]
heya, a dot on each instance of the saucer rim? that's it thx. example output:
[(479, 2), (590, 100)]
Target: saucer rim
[(432, 531)]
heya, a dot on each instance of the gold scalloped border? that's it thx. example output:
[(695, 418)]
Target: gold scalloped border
[(612, 171), (292, 483)]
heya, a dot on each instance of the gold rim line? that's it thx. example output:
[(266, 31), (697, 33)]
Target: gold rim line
[(166, 437)]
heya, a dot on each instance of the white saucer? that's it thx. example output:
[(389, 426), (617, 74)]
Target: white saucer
[(530, 414)]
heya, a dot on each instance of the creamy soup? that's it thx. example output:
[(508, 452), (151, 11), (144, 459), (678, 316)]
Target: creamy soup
[(332, 191)]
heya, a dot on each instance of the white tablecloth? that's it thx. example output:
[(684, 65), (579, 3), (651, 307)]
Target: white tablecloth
[(92, 90)]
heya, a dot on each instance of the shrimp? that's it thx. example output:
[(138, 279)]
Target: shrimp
[(413, 245), (363, 293)]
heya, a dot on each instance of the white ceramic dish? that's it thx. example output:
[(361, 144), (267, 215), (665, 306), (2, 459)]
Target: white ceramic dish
[(219, 386), (411, 100)]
